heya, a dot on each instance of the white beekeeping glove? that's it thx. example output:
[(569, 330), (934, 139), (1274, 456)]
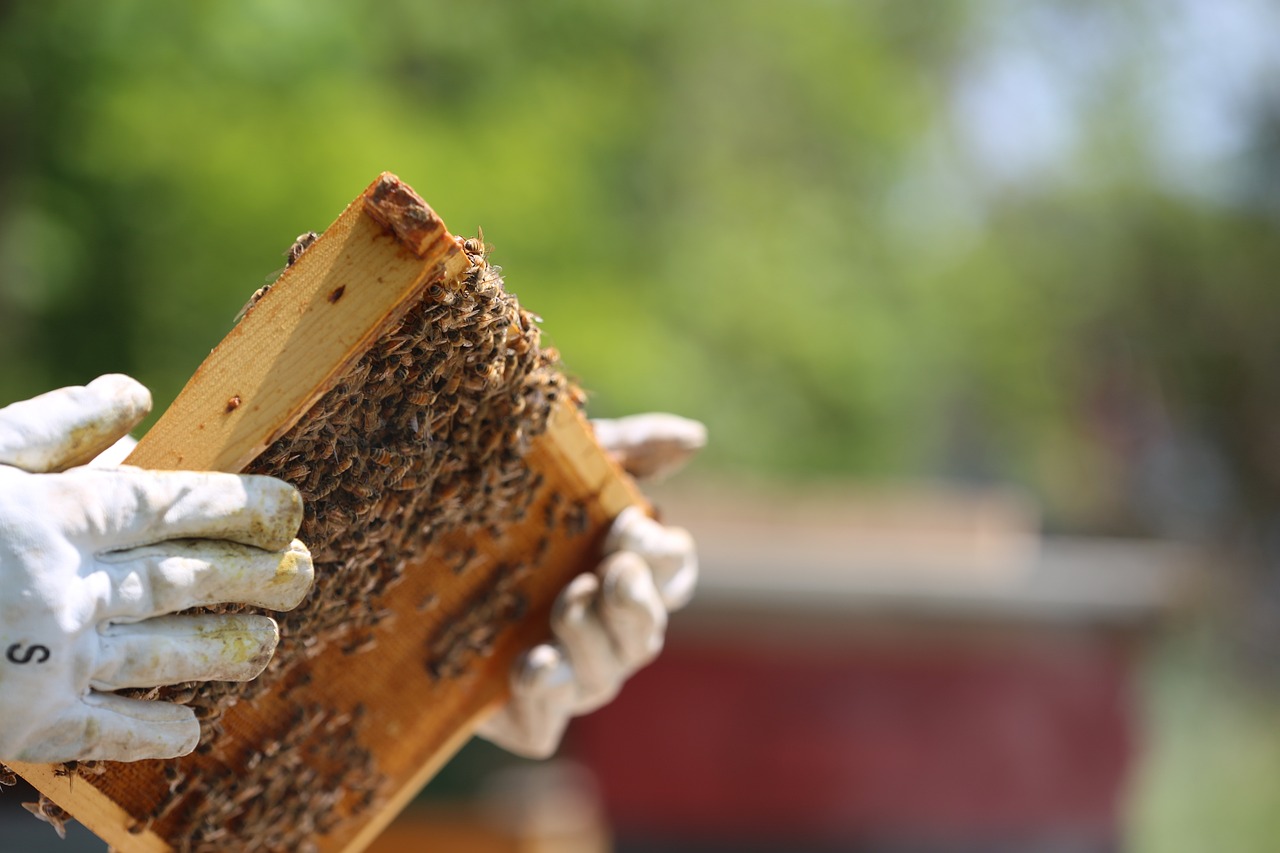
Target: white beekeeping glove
[(653, 445), (95, 562), (609, 624)]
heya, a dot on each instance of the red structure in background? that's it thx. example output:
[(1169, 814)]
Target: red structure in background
[(922, 674), (941, 743)]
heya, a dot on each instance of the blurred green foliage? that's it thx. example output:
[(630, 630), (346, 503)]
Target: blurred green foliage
[(768, 216), (1210, 751), (754, 213)]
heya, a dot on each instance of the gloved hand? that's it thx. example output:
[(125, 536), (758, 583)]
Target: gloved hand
[(608, 624), (94, 560)]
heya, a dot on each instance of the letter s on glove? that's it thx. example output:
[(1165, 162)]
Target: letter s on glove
[(97, 563)]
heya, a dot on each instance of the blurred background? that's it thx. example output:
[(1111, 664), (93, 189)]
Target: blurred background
[(977, 299)]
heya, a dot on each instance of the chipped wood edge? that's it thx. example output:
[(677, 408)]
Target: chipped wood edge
[(358, 278)]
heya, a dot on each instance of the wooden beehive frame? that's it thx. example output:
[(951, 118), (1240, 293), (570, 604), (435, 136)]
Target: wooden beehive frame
[(352, 285)]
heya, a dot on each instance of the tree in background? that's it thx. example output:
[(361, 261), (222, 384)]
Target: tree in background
[(979, 240)]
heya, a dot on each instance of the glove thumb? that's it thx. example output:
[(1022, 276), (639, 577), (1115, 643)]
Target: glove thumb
[(651, 446), (70, 426)]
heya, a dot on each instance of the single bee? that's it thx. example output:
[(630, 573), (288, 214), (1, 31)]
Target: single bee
[(139, 827), (381, 456), (295, 472), (360, 645), (300, 245), (476, 246), (50, 813)]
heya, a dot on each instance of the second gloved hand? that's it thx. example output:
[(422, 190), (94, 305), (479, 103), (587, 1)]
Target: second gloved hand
[(96, 562), (607, 624)]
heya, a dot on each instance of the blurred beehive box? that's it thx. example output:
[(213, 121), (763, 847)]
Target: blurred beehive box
[(933, 674)]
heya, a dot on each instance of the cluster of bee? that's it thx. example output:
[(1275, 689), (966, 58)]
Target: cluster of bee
[(423, 441), (499, 601), (491, 607), (283, 794), (424, 438)]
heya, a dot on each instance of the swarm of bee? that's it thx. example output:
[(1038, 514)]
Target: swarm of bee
[(423, 439), (425, 436), (299, 785)]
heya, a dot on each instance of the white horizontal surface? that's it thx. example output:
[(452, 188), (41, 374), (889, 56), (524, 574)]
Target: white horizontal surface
[(925, 553)]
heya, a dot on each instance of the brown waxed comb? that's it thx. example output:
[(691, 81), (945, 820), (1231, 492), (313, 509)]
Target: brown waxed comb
[(452, 488)]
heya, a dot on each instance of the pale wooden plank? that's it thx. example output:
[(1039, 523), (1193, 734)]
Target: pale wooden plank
[(277, 361)]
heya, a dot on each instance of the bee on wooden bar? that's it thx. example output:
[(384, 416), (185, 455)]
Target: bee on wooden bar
[(360, 645), (66, 770), (51, 813), (378, 617), (518, 606), (551, 512), (207, 713), (577, 519), (462, 559), (137, 827), (300, 245)]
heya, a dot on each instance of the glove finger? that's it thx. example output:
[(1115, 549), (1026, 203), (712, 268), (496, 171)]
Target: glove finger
[(533, 720), (651, 446), (181, 574), (669, 551), (631, 609), (69, 426), (127, 507), (577, 626), (107, 727), (174, 649)]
